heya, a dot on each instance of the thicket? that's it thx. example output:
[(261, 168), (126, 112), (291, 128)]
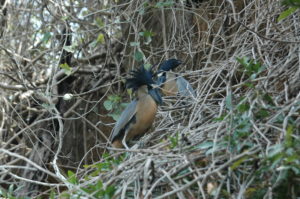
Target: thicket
[(62, 68)]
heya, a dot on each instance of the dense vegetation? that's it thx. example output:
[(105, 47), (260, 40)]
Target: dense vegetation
[(62, 69)]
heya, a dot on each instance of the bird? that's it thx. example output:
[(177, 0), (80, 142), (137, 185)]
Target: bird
[(172, 84), (140, 113)]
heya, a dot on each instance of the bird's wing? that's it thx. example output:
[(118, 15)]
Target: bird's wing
[(184, 87), (125, 117)]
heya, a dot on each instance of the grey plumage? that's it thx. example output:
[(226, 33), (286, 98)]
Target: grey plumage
[(124, 119), (184, 87)]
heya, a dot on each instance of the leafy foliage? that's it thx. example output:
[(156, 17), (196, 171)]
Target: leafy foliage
[(115, 105), (294, 5)]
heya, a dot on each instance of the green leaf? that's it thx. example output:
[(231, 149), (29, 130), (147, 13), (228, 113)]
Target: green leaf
[(243, 107), (46, 37), (99, 22), (255, 67), (268, 99), (262, 113), (86, 166), (65, 195), (244, 61), (114, 116), (99, 185), (146, 34), (129, 92), (286, 13), (295, 3), (238, 162), (292, 159), (288, 138), (114, 98), (67, 69), (275, 150), (109, 192), (174, 140), (52, 195), (72, 177), (108, 105), (219, 119), (100, 38), (276, 160), (249, 85), (147, 66), (138, 56)]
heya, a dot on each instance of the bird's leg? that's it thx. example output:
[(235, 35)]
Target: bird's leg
[(124, 140)]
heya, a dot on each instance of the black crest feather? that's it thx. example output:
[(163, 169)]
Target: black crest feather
[(139, 77), (169, 64)]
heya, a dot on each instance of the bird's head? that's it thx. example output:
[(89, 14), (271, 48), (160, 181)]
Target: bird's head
[(141, 77), (169, 64), (165, 66)]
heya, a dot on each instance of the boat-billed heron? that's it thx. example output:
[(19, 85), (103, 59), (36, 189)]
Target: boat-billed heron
[(139, 115), (171, 83)]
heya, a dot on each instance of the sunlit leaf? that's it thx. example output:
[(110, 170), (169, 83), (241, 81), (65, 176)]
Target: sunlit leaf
[(286, 13), (72, 177), (100, 38), (244, 61), (288, 137), (67, 69)]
